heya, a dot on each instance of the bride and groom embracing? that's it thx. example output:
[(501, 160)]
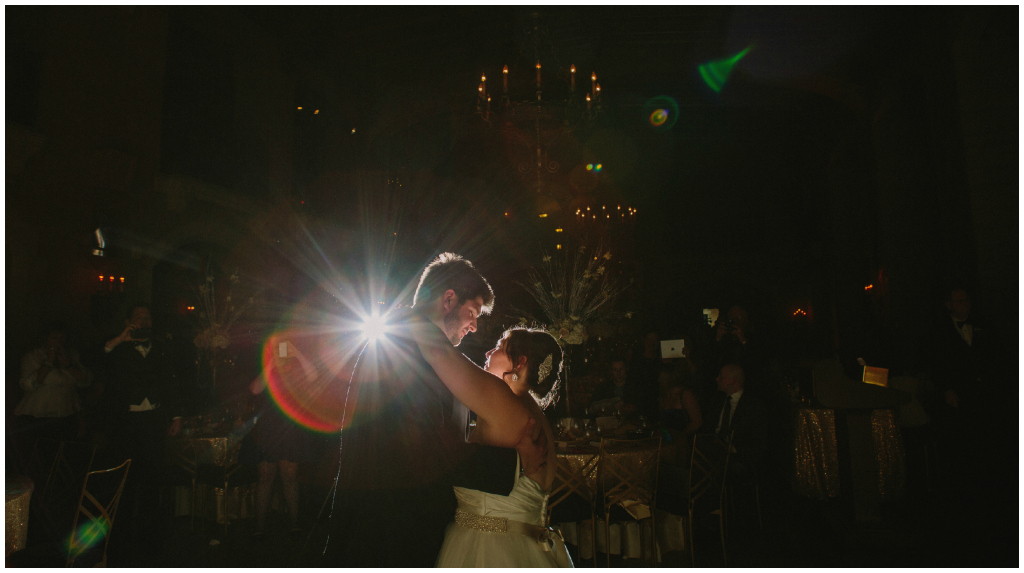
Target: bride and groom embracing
[(415, 487)]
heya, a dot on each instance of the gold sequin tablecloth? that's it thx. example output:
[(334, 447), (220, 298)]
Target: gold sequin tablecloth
[(888, 450), (816, 454), (18, 493)]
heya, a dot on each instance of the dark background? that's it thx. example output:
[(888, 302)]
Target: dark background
[(851, 146)]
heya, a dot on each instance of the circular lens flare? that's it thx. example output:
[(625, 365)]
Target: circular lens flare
[(661, 112)]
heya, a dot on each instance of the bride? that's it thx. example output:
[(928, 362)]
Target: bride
[(494, 530)]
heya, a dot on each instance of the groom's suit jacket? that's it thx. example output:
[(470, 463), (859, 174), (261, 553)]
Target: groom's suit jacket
[(402, 450)]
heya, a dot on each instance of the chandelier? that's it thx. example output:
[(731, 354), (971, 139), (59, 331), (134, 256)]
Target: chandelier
[(539, 112)]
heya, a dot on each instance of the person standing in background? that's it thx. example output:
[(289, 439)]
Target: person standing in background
[(50, 378)]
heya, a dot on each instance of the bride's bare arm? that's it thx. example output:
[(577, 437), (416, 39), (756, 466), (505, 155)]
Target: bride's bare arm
[(493, 401)]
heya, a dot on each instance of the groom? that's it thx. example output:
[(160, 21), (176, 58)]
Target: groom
[(403, 446)]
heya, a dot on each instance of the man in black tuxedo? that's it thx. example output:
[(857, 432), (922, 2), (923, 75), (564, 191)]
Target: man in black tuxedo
[(143, 397), (404, 446), (971, 412), (745, 414), (959, 357)]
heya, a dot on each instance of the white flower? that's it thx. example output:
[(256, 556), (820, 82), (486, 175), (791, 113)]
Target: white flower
[(629, 315), (600, 270), (546, 259), (608, 256)]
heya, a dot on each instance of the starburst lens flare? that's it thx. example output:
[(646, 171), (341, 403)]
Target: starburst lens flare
[(661, 112), (374, 327), (716, 73)]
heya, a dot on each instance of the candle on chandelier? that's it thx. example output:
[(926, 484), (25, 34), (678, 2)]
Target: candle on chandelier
[(588, 102), (488, 103), (572, 78), (483, 81), (593, 82), (480, 91), (504, 79), (538, 73), (598, 91)]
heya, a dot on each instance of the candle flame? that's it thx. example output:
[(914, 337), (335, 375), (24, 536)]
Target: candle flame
[(572, 69), (588, 97), (598, 87), (483, 78), (505, 70), (538, 64), (593, 76)]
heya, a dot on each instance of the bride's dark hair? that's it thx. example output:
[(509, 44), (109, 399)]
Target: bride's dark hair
[(536, 345)]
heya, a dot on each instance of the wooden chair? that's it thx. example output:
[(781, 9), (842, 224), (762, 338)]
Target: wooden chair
[(569, 482), (709, 462), (101, 493), (624, 480)]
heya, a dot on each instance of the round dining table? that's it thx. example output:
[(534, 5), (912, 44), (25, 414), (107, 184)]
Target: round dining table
[(582, 460)]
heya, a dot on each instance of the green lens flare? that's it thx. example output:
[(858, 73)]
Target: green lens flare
[(716, 73), (88, 535)]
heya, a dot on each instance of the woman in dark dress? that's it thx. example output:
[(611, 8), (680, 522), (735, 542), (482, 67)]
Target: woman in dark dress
[(281, 446)]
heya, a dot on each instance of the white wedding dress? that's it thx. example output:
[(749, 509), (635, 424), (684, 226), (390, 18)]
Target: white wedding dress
[(471, 545)]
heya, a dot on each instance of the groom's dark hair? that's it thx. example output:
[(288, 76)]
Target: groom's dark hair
[(451, 271)]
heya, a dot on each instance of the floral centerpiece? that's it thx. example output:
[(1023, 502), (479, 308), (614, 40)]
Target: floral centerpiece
[(215, 317), (573, 295)]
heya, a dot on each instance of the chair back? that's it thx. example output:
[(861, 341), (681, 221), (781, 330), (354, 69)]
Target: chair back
[(97, 508), (571, 478), (628, 471), (70, 462), (709, 461)]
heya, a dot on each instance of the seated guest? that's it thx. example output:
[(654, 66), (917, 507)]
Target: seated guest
[(679, 417), (620, 393), (615, 386), (50, 377)]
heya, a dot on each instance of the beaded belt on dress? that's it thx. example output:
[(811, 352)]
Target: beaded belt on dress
[(543, 535)]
